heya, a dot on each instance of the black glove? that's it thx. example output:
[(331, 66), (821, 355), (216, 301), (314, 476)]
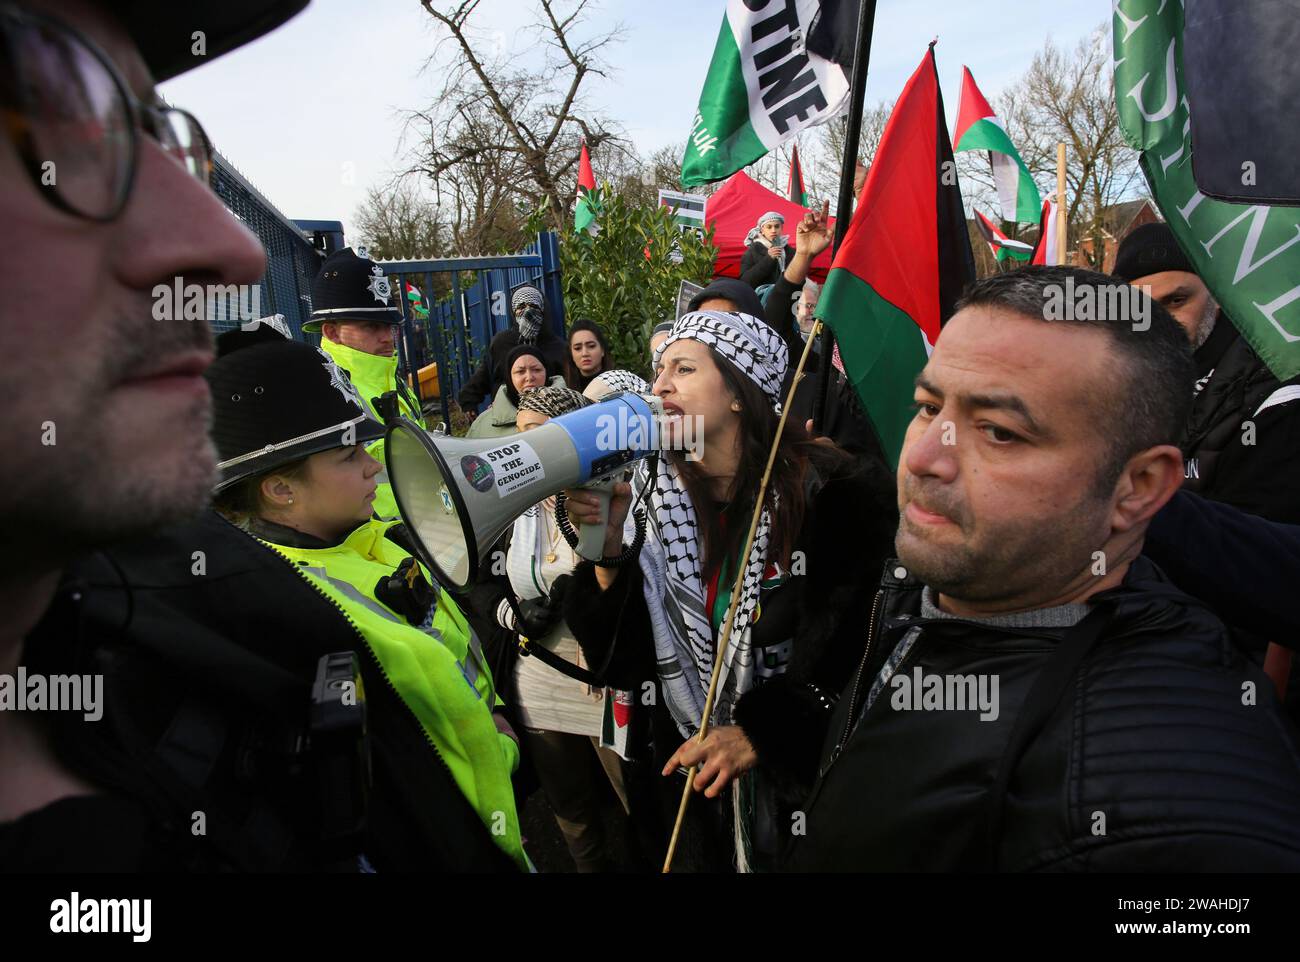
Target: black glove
[(538, 617), (412, 600)]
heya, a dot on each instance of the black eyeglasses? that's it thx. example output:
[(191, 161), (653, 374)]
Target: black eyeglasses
[(75, 123)]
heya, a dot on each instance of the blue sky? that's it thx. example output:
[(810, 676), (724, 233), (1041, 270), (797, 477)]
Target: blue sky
[(311, 114)]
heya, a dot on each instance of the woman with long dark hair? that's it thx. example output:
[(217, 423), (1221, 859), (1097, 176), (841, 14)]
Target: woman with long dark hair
[(588, 355), (827, 526)]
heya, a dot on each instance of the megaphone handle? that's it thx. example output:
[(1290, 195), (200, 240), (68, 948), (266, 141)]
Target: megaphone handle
[(591, 537)]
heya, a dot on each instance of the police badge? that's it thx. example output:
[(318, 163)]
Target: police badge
[(380, 285)]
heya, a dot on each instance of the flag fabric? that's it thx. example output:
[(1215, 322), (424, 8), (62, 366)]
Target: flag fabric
[(978, 128), (1247, 254), (1047, 250), (762, 88), (584, 211), (1003, 247), (1246, 121), (904, 260), (795, 188)]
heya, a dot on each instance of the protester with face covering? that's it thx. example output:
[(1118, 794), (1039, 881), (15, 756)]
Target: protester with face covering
[(526, 369), (532, 326), (767, 251), (588, 354), (827, 524)]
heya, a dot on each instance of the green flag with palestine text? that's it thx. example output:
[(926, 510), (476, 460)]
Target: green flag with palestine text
[(762, 88), (1248, 255)]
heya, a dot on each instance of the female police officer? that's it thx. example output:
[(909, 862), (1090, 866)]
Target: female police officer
[(291, 433)]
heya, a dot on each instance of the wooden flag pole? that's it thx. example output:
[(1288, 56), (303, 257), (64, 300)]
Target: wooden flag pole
[(1060, 204), (725, 637)]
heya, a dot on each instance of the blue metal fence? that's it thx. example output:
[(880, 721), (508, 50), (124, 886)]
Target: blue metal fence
[(291, 261), (461, 326)]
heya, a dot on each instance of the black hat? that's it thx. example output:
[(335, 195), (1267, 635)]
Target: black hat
[(275, 401), (1150, 249), (743, 297), (165, 30), (515, 354), (351, 288), (272, 328)]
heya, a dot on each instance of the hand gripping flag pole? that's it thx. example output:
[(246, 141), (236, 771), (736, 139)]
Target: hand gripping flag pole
[(736, 589)]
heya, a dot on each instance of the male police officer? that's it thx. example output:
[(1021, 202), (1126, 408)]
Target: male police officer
[(353, 312)]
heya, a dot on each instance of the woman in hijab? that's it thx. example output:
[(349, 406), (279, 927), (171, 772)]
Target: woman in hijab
[(827, 526), (767, 251), (525, 368), (589, 354)]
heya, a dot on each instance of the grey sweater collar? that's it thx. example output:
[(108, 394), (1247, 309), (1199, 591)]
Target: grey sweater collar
[(1060, 616)]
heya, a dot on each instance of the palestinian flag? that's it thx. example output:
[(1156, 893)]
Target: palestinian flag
[(978, 128), (763, 87), (1004, 248), (584, 211), (1246, 253), (795, 191), (904, 261), (1046, 251)]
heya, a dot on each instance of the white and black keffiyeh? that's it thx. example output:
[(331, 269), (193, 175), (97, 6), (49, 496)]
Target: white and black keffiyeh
[(677, 601), (611, 382), (756, 350), (670, 561), (530, 321)]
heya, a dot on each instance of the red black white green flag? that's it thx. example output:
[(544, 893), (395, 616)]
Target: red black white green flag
[(904, 261), (795, 190), (1003, 247)]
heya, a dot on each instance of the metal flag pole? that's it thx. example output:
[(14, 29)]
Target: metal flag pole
[(844, 206)]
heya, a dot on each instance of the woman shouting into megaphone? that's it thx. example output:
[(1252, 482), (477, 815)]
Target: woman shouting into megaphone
[(827, 525)]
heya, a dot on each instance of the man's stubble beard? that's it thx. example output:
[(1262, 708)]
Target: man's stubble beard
[(1010, 560), (93, 486)]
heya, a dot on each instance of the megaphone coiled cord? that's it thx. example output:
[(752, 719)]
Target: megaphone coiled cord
[(571, 536)]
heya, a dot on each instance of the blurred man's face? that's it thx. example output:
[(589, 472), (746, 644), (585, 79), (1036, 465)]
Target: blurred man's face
[(996, 480), (105, 420), (771, 228), (1185, 296), (807, 304), (368, 337)]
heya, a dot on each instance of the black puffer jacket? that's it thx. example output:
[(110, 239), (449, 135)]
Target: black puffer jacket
[(758, 267), (1167, 752), (1243, 434)]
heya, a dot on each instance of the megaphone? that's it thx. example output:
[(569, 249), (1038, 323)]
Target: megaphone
[(459, 495)]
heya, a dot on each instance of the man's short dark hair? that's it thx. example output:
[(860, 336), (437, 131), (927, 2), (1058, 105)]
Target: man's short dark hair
[(1149, 403)]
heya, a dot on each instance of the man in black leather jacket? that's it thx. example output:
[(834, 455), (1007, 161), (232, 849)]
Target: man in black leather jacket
[(1034, 695)]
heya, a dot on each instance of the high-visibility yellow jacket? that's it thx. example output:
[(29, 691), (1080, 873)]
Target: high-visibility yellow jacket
[(437, 669), (373, 377)]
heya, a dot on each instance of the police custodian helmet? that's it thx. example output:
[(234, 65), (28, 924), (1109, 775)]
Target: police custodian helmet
[(275, 401), (351, 287)]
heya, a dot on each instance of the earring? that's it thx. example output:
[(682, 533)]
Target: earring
[(291, 500), (735, 405)]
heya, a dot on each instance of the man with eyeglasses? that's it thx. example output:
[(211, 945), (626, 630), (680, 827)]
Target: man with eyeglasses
[(211, 728)]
